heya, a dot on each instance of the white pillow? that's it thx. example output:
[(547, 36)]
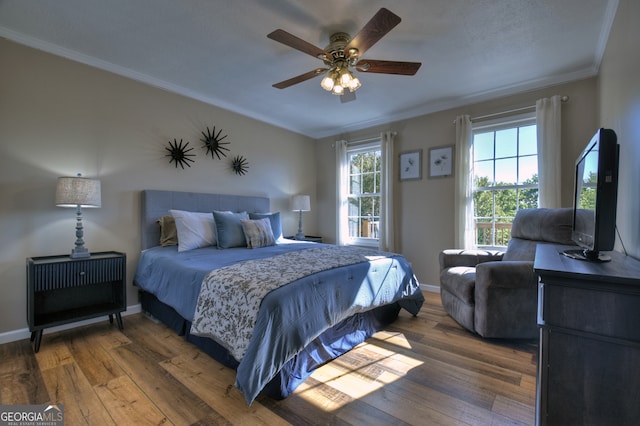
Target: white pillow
[(194, 229)]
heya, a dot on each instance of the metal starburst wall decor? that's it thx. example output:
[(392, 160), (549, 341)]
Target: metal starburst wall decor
[(213, 143), (179, 154), (239, 165)]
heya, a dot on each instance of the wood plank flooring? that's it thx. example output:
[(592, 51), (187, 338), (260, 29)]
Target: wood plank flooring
[(423, 370)]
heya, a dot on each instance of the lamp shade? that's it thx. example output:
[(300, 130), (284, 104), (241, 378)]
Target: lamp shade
[(78, 191), (301, 203)]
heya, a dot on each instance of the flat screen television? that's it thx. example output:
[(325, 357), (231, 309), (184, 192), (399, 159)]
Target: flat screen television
[(595, 198)]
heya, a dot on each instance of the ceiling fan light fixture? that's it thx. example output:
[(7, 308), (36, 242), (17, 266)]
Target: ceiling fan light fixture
[(327, 82), (339, 79), (345, 77), (342, 57), (354, 84)]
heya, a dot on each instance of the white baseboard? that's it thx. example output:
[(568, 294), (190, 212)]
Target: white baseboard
[(430, 288), (15, 335)]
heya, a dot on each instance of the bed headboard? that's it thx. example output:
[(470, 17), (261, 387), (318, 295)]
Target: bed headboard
[(157, 203)]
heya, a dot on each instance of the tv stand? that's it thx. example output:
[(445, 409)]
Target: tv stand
[(587, 255), (588, 313)]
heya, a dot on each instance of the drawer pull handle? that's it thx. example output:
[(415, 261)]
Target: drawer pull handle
[(82, 273)]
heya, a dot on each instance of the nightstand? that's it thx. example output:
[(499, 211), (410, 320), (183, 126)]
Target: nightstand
[(62, 290), (308, 238)]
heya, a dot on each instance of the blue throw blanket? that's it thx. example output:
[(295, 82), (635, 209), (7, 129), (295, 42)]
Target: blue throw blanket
[(230, 297), (291, 316)]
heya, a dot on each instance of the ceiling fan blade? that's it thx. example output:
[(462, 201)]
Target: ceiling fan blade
[(388, 67), (347, 96), (381, 23), (297, 43), (300, 78)]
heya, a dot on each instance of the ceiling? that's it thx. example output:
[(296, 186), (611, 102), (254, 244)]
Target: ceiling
[(217, 51)]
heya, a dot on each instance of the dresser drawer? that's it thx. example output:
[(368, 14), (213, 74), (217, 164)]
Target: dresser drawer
[(589, 309)]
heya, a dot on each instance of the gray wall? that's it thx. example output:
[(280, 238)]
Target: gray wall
[(424, 209), (59, 118), (619, 93)]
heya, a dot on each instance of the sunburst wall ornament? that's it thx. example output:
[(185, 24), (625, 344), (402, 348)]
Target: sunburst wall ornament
[(239, 165), (179, 154), (213, 142)]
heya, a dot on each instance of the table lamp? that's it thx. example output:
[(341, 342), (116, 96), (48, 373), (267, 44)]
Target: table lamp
[(300, 203), (78, 192)]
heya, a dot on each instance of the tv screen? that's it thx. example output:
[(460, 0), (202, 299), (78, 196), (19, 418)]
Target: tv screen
[(595, 197)]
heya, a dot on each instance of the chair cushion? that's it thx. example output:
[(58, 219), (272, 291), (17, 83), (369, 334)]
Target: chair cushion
[(531, 226), (460, 282), (550, 225)]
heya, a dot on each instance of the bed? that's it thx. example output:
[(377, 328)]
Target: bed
[(273, 312)]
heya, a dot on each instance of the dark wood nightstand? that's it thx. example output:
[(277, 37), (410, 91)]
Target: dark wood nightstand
[(309, 238), (61, 290)]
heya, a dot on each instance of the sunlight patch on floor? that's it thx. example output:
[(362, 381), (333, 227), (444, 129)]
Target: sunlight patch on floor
[(360, 372)]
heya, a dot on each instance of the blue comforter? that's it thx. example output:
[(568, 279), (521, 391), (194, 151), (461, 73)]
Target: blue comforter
[(290, 316)]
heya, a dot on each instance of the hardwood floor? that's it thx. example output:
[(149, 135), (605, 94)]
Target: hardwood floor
[(423, 370)]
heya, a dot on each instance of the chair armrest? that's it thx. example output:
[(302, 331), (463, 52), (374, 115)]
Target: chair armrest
[(506, 299), (458, 257), (506, 274)]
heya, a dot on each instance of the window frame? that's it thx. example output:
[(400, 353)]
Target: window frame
[(493, 126), (357, 148)]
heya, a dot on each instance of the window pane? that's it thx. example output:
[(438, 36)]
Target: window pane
[(483, 146), (483, 205), (505, 204), (355, 185), (483, 173), (366, 206), (528, 169), (354, 206), (354, 163), (368, 183), (506, 172), (353, 228), (528, 140), (528, 198), (484, 232), (507, 143)]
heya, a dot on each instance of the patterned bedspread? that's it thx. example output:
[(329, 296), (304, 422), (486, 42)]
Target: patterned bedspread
[(230, 297)]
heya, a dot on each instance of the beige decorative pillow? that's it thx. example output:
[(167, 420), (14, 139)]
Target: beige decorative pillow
[(168, 231), (258, 233)]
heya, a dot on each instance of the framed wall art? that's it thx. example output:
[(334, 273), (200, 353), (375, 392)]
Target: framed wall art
[(441, 161), (411, 165)]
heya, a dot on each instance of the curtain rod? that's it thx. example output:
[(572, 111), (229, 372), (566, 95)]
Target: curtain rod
[(369, 139), (564, 98)]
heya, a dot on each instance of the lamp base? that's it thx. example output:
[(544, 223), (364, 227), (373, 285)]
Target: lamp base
[(300, 236), (80, 253)]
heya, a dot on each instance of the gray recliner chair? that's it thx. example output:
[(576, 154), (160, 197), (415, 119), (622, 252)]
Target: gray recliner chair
[(494, 293)]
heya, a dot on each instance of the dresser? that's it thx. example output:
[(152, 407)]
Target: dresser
[(61, 290), (589, 360)]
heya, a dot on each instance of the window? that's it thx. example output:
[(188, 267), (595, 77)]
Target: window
[(364, 177), (505, 177)]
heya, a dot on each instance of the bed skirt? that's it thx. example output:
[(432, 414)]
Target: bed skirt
[(329, 345)]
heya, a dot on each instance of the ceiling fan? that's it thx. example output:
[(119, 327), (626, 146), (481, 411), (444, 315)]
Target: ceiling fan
[(344, 53)]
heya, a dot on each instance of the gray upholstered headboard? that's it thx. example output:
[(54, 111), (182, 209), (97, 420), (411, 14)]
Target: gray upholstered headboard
[(157, 203)]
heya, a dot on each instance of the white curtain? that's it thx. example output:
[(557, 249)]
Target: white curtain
[(342, 191), (548, 122), (464, 226), (386, 231)]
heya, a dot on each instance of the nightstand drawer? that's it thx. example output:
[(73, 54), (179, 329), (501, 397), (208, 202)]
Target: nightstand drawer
[(54, 276)]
